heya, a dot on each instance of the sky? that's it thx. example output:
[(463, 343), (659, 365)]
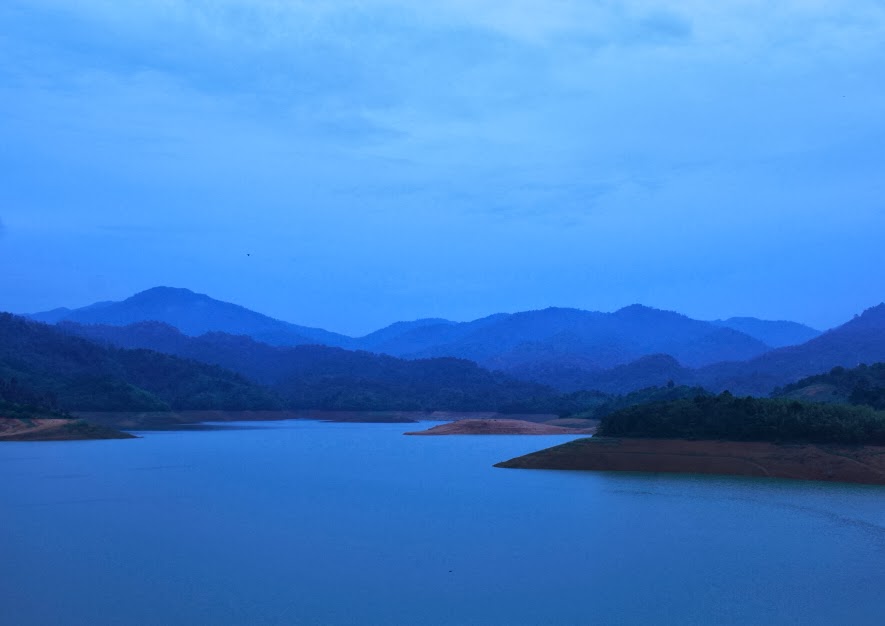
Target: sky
[(346, 164)]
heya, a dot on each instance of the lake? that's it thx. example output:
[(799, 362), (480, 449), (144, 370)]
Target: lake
[(304, 522)]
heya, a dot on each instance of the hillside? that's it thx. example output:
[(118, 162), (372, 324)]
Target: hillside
[(193, 314), (861, 340), (71, 373), (859, 385), (655, 370), (596, 340), (747, 419), (321, 377), (553, 346), (395, 338), (567, 349), (777, 334)]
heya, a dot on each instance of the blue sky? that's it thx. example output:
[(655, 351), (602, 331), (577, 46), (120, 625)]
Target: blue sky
[(383, 160)]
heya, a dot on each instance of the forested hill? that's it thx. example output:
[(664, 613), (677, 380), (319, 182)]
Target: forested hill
[(72, 373), (519, 343), (322, 377), (748, 419), (864, 384), (861, 340)]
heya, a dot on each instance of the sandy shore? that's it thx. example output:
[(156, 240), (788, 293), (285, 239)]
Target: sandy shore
[(55, 430), (853, 464), (500, 427)]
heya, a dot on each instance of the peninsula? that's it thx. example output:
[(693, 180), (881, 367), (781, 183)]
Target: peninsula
[(502, 427), (727, 435)]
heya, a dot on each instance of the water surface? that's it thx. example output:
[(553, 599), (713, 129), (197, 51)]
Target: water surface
[(316, 523)]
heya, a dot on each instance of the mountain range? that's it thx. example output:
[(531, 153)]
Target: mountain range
[(151, 366), (566, 349), (552, 338)]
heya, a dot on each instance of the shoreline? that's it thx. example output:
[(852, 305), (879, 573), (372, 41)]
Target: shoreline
[(56, 429), (173, 420), (821, 462), (495, 426)]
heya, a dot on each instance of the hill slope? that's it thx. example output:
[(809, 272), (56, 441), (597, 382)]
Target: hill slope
[(556, 346), (537, 344), (72, 373), (861, 340), (322, 377), (194, 314), (859, 385), (777, 334)]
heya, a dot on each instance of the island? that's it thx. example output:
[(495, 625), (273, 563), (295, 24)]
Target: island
[(734, 436), (503, 427)]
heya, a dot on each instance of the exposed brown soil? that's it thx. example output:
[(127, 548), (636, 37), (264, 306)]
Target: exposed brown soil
[(499, 427), (829, 462), (55, 430)]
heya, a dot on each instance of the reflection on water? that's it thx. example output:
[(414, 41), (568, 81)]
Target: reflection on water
[(322, 523)]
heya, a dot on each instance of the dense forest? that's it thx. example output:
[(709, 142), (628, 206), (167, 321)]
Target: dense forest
[(748, 419), (864, 384), (323, 377), (643, 396), (17, 410), (42, 366), (98, 375)]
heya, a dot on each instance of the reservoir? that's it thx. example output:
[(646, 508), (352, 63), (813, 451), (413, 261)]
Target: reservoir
[(304, 522)]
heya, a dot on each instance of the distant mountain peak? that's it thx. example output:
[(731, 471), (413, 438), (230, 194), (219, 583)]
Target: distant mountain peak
[(658, 359), (167, 293), (775, 333), (641, 310), (635, 308), (872, 318), (194, 314)]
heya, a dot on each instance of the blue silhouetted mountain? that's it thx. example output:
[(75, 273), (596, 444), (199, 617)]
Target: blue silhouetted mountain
[(194, 314), (574, 338), (550, 339), (861, 340), (57, 315), (654, 370), (326, 377), (323, 377), (569, 349), (398, 336), (777, 334)]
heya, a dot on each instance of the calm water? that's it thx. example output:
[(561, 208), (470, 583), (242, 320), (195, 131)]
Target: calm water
[(314, 523)]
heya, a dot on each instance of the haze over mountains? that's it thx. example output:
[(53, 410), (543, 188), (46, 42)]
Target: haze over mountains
[(193, 314), (566, 349), (589, 340)]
